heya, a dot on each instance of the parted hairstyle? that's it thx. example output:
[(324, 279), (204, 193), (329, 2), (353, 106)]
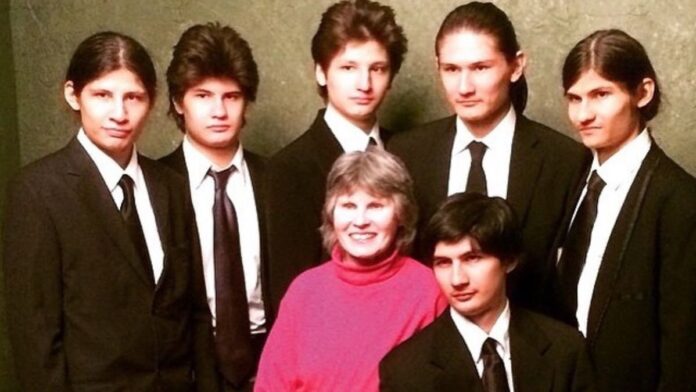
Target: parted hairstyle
[(490, 221), (109, 51), (205, 51), (617, 57), (380, 174), (358, 20), (488, 19)]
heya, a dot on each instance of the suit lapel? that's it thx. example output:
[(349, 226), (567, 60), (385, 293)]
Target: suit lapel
[(531, 371), (451, 359), (326, 147), (257, 174), (177, 161), (438, 165), (568, 213), (612, 259), (525, 165), (89, 185), (159, 200)]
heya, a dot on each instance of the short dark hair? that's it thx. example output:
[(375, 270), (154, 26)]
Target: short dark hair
[(109, 51), (358, 20), (488, 19), (615, 56), (488, 220), (210, 51)]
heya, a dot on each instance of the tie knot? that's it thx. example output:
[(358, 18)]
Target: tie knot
[(477, 150), (489, 348), (372, 142), (221, 177), (595, 184), (126, 183)]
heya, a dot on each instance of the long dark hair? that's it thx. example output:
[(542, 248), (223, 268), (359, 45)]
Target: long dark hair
[(108, 51), (488, 19), (615, 56)]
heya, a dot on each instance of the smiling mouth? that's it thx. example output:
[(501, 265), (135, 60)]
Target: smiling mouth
[(362, 236)]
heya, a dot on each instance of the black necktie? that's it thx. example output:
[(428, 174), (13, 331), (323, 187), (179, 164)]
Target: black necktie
[(575, 247), (129, 212), (494, 378), (477, 177), (232, 336), (372, 142)]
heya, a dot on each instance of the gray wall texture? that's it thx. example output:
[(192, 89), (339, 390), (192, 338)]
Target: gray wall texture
[(9, 161), (44, 33)]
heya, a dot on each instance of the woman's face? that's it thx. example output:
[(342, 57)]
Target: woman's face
[(476, 77), (604, 113), (365, 226), (113, 109)]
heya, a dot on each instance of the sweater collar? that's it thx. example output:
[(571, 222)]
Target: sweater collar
[(361, 275)]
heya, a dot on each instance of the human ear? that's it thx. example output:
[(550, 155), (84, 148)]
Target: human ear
[(511, 265), (70, 96), (320, 75), (177, 107), (645, 92), (520, 64)]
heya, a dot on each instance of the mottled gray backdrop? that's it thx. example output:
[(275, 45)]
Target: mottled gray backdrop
[(44, 34)]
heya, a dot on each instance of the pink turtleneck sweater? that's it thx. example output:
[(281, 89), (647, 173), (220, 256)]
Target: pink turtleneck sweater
[(336, 322)]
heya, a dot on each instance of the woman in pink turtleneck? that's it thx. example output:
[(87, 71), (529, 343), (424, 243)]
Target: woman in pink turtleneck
[(339, 319)]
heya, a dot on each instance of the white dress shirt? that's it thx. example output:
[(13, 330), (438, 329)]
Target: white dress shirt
[(474, 337), (241, 193), (618, 172), (496, 160), (112, 172), (350, 137)]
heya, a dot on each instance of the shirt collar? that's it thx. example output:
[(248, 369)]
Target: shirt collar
[(198, 164), (350, 137), (499, 137), (625, 162), (110, 171), (474, 336)]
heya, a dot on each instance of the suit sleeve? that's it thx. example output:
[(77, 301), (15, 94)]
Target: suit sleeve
[(34, 292), (385, 377), (294, 242), (583, 377), (677, 304)]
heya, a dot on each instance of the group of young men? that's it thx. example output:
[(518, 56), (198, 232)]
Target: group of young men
[(272, 211)]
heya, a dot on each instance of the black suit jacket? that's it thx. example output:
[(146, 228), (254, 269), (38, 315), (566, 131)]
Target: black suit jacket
[(642, 315), (546, 356), (296, 189), (544, 168), (83, 315), (257, 171)]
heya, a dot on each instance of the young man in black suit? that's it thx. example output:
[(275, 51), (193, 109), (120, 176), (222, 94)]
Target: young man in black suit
[(625, 271), (212, 80), (489, 146), (482, 343), (104, 289), (357, 50)]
